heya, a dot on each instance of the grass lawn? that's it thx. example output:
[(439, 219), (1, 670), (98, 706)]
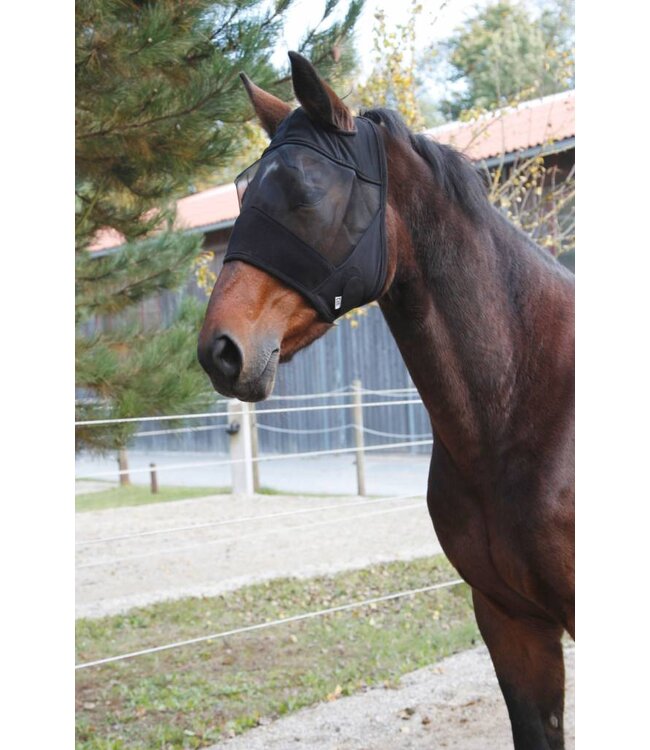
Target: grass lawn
[(192, 696), (140, 494)]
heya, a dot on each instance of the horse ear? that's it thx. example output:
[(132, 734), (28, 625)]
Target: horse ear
[(269, 109), (316, 97)]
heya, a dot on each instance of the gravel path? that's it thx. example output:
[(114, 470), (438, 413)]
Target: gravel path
[(117, 575), (453, 704)]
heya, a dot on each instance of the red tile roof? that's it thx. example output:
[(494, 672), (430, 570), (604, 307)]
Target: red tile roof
[(204, 209), (531, 124), (208, 207)]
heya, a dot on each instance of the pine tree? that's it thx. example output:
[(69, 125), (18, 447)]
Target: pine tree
[(159, 106)]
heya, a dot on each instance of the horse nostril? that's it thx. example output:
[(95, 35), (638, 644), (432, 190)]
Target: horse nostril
[(226, 357)]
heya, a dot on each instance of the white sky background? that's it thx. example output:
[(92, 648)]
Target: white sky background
[(436, 21)]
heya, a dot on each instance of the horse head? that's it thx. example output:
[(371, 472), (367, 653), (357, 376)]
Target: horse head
[(309, 243)]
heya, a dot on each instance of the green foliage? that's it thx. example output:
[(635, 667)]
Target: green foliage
[(158, 99), (505, 54), (108, 284), (392, 82), (160, 107), (134, 372)]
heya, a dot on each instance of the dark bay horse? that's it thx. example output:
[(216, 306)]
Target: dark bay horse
[(485, 322)]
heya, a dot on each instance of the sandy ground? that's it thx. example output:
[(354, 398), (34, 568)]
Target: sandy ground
[(115, 575), (453, 704)]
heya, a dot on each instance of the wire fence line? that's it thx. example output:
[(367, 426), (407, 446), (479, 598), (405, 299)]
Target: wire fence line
[(348, 426), (380, 433), (270, 624), (297, 431), (295, 424), (344, 392), (243, 519), (256, 459), (229, 540), (388, 392), (174, 430), (209, 398), (285, 430), (281, 440), (206, 415)]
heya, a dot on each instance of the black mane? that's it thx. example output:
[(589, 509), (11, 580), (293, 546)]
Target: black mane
[(456, 175)]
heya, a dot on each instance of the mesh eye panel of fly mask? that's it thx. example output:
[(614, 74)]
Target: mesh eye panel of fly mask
[(313, 213)]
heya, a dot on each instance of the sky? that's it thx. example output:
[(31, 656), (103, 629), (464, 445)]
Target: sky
[(437, 20)]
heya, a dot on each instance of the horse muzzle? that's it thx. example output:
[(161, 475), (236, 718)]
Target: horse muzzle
[(236, 373)]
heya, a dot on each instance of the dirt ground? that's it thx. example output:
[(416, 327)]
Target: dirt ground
[(454, 704), (353, 532)]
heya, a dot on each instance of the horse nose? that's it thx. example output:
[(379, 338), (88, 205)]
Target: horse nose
[(226, 358)]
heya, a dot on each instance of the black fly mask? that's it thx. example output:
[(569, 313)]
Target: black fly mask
[(312, 213)]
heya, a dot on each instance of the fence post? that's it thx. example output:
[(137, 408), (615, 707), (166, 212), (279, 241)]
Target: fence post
[(154, 478), (358, 436), (123, 467), (254, 448), (239, 429)]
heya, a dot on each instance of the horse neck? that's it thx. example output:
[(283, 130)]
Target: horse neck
[(467, 306)]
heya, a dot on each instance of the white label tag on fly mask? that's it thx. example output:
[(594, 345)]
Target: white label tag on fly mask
[(337, 302)]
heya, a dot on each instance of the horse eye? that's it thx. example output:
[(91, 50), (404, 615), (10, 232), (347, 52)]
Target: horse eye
[(303, 190), (306, 197)]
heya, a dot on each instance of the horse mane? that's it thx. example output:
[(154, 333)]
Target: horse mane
[(464, 185), (454, 172)]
